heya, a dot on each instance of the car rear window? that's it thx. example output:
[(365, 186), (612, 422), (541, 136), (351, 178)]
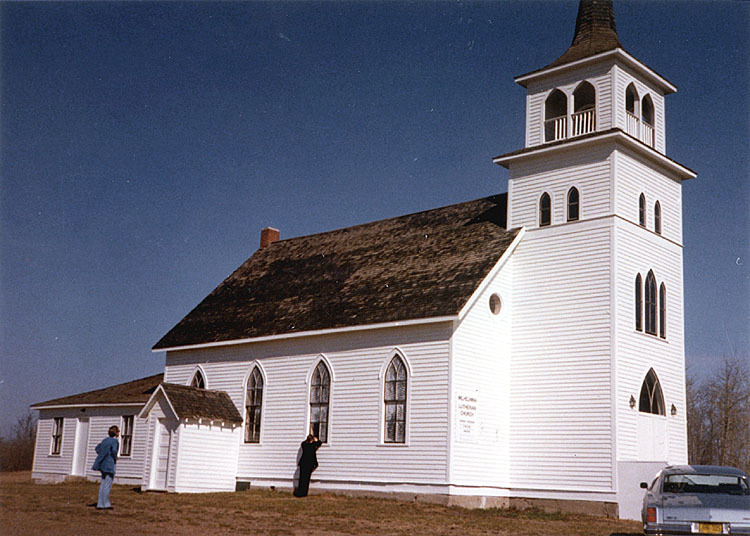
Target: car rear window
[(692, 483)]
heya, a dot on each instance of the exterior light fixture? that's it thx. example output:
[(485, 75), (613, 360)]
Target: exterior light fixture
[(673, 410), (632, 402)]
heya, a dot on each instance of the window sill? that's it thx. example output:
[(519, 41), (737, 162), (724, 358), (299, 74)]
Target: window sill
[(393, 445), (651, 336)]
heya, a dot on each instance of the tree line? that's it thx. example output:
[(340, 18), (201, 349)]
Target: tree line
[(718, 415)]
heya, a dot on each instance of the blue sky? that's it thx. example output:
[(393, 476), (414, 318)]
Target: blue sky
[(144, 146)]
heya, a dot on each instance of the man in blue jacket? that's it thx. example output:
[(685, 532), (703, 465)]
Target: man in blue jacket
[(106, 458)]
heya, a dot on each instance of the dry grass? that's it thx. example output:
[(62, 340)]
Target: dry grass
[(61, 509)]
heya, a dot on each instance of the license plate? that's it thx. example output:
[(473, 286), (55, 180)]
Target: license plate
[(710, 528)]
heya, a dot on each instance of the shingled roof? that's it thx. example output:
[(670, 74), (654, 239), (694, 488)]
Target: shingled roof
[(136, 391), (595, 32), (195, 403), (416, 266)]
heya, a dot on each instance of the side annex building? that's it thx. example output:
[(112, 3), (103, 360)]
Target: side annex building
[(525, 348)]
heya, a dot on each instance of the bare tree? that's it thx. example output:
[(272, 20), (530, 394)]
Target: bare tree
[(17, 452), (719, 416)]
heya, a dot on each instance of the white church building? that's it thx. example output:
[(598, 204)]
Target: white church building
[(521, 349)]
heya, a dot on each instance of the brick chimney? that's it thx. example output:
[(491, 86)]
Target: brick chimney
[(268, 236)]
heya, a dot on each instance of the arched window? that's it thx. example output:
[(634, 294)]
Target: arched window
[(555, 116), (651, 399), (584, 109), (657, 217), (632, 107), (395, 402), (647, 116), (253, 406), (639, 303), (198, 380), (545, 210), (642, 210), (651, 303), (663, 311), (573, 204), (320, 393), (647, 110)]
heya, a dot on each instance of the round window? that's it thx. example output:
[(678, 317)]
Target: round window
[(495, 304)]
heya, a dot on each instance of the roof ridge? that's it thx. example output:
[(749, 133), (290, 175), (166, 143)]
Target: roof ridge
[(382, 220)]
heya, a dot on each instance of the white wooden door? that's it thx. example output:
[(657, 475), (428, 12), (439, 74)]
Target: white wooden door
[(81, 445), (652, 438), (160, 461)]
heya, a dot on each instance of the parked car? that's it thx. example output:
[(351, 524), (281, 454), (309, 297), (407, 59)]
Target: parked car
[(697, 499)]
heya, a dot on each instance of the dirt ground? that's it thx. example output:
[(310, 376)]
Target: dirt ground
[(66, 509)]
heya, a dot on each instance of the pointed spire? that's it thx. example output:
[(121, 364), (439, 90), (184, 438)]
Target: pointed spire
[(595, 31)]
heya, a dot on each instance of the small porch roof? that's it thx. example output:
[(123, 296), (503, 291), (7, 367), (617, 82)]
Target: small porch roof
[(194, 403)]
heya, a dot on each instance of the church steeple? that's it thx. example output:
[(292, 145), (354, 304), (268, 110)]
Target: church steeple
[(595, 32)]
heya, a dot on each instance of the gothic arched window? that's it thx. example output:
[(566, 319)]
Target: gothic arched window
[(651, 303), (663, 311), (253, 406), (639, 303), (573, 204), (395, 401), (545, 210), (651, 399), (320, 393), (198, 380), (642, 210), (555, 116), (657, 217)]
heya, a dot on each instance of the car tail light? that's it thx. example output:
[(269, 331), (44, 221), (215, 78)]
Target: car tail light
[(651, 514)]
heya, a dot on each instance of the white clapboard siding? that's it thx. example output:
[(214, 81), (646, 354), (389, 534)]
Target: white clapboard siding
[(207, 457), (355, 450), (623, 76), (588, 170), (598, 76), (481, 367), (129, 468), (44, 461), (639, 251), (633, 176), (561, 426)]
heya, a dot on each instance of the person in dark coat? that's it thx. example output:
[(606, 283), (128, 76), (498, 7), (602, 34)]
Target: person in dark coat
[(106, 458), (308, 462)]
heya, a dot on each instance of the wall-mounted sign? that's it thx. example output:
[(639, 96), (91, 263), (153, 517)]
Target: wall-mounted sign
[(467, 422)]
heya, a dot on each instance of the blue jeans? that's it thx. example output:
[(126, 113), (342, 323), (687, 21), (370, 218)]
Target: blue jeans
[(104, 488)]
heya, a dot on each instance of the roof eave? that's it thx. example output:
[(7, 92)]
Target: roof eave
[(89, 405), (312, 333), (618, 54), (682, 172)]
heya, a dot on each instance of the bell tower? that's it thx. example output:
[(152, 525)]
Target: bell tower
[(598, 386)]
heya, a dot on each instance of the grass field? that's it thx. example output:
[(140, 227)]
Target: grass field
[(62, 509)]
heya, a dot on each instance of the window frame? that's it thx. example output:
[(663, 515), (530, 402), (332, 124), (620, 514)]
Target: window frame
[(654, 395), (320, 365), (571, 204), (257, 408), (650, 299), (56, 439), (642, 210), (198, 374), (639, 303), (542, 210), (663, 311), (126, 439), (657, 217), (395, 401)]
